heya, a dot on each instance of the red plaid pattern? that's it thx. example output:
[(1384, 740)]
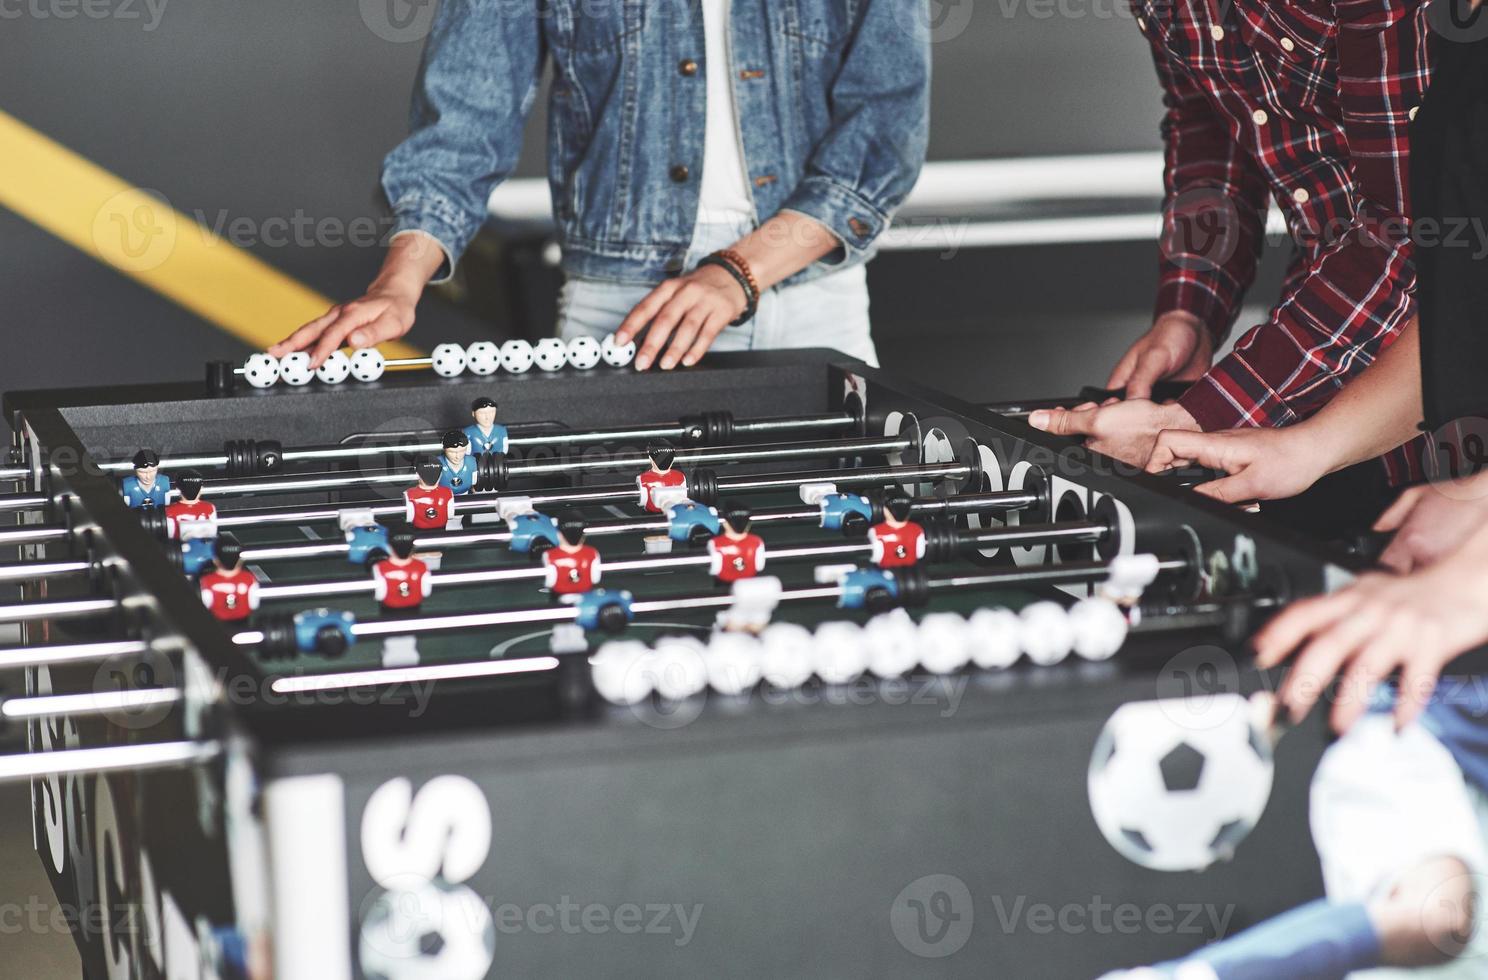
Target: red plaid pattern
[(1308, 102)]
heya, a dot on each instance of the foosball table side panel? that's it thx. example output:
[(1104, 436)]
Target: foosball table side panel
[(946, 835)]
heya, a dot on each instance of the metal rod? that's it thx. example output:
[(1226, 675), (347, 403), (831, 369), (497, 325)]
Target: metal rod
[(83, 705), (1061, 574), (137, 758), (11, 474), (17, 658), (847, 478), (27, 571), (23, 612), (22, 501), (519, 470), (434, 444), (40, 534), (310, 683)]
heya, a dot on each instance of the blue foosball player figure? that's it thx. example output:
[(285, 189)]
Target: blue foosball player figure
[(148, 487), (484, 434), (458, 467)]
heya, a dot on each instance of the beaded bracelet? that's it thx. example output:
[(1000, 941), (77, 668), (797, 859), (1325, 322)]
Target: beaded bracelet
[(733, 263)]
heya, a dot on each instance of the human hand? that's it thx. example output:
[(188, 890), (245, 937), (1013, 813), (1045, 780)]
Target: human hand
[(1417, 623), (1177, 348), (386, 312), (1125, 430), (1431, 520), (1263, 464), (691, 310)]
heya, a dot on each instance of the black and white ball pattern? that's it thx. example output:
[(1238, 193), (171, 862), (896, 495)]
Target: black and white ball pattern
[(449, 360), (336, 369), (261, 371), (483, 357), (516, 356), (617, 355), (584, 353), (367, 364), (551, 354), (295, 368)]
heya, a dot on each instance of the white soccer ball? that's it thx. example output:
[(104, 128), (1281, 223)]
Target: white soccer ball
[(261, 371), (617, 355), (1046, 634), (893, 644), (483, 357), (1099, 626), (295, 368), (516, 356), (838, 655), (551, 354), (1176, 785), (336, 369), (427, 931), (616, 673), (944, 643), (449, 360), (368, 364), (787, 655), (733, 662), (676, 667), (996, 638), (584, 353)]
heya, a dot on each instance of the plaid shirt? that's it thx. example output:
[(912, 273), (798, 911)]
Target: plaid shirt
[(1308, 102)]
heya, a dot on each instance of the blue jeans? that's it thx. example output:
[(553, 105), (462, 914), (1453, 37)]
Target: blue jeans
[(831, 311)]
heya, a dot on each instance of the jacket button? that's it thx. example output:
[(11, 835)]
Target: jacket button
[(680, 173), (859, 227), (688, 67)]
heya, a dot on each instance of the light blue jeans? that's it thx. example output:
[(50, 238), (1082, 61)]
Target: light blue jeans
[(831, 311)]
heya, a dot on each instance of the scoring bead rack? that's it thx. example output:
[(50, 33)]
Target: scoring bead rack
[(447, 360)]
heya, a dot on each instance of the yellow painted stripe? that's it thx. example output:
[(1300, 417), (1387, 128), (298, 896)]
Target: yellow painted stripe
[(137, 232)]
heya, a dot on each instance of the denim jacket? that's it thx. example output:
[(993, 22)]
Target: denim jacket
[(832, 99)]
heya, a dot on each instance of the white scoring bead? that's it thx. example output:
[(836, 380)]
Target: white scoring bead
[(995, 641), (892, 643), (1046, 634), (368, 364), (449, 360), (617, 355), (733, 662), (1099, 626), (838, 655), (551, 354), (787, 655), (516, 356), (584, 353), (483, 357), (295, 368), (943, 643), (677, 668), (261, 371), (616, 672), (336, 369)]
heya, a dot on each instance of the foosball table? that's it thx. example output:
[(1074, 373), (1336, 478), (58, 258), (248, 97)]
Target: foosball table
[(778, 666)]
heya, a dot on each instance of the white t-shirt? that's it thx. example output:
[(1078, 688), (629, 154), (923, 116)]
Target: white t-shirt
[(725, 189)]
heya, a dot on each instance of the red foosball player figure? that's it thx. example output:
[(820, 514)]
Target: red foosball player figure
[(229, 590), (661, 474), (573, 567), (403, 581), (736, 553), (429, 506), (897, 541), (190, 509)]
